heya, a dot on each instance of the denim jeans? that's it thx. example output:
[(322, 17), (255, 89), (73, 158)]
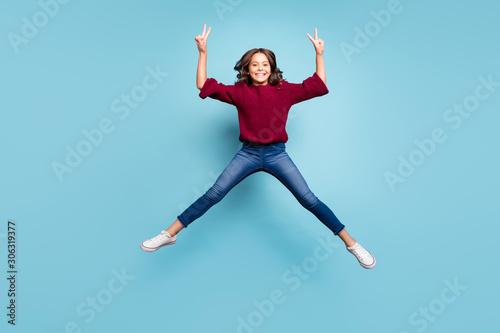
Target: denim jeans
[(274, 160)]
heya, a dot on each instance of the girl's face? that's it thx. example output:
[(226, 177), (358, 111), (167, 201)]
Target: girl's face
[(259, 69)]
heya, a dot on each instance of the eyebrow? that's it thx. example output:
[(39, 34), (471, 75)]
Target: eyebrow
[(258, 62)]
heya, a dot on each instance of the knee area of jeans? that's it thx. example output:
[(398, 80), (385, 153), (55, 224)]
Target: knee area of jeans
[(309, 200), (214, 195)]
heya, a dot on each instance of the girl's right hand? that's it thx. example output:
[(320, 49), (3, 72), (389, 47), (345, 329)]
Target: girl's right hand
[(201, 41)]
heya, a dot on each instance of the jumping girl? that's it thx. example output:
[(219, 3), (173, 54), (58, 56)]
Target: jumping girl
[(263, 99)]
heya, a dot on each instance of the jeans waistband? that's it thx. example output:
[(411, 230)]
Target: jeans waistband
[(257, 144), (260, 144)]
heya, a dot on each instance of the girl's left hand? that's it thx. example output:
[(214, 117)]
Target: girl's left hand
[(319, 44)]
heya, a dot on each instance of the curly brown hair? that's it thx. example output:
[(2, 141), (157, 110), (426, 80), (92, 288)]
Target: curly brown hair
[(242, 67)]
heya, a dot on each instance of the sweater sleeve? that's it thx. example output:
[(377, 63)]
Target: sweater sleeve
[(311, 87), (219, 91)]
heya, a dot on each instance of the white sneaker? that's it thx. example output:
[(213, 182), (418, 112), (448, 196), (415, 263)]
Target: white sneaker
[(153, 244), (365, 258)]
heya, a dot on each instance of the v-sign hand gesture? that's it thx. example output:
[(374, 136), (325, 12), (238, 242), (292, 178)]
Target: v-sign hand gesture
[(319, 44), (201, 41)]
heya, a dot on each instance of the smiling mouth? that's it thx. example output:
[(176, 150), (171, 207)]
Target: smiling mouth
[(260, 74)]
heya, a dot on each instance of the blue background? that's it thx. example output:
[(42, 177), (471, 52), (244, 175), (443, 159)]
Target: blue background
[(76, 233)]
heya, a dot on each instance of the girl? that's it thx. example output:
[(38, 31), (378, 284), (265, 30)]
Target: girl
[(263, 99)]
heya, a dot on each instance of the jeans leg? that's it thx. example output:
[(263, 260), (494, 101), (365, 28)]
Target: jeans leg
[(242, 165), (282, 167)]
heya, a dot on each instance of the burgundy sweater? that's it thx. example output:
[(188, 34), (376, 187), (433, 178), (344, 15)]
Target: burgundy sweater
[(263, 110)]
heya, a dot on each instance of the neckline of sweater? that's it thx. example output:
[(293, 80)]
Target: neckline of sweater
[(260, 85)]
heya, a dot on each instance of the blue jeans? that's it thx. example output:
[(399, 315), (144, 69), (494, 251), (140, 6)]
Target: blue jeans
[(274, 160)]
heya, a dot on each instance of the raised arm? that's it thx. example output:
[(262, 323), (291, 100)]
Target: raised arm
[(201, 42), (319, 46)]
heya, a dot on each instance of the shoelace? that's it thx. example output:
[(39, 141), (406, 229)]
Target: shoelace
[(159, 238), (359, 252)]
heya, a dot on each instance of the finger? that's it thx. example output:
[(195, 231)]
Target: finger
[(315, 33), (204, 28), (310, 37), (208, 32)]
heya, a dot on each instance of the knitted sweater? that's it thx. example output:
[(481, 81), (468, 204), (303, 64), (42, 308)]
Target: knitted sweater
[(263, 110)]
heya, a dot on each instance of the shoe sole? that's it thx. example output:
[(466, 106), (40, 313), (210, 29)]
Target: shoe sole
[(149, 249)]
